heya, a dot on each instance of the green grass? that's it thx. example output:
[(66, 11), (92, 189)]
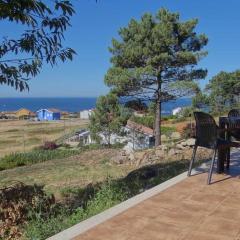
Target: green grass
[(22, 159), (167, 130)]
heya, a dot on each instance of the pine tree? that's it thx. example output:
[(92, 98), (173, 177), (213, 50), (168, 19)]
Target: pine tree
[(155, 60)]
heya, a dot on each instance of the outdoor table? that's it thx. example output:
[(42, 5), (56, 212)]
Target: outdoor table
[(222, 153), (224, 134)]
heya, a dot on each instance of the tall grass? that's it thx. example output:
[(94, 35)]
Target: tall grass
[(21, 159), (40, 228)]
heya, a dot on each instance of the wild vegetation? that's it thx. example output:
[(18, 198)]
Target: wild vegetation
[(77, 202)]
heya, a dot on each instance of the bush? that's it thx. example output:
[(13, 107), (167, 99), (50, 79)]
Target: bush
[(49, 146), (186, 112), (147, 120), (17, 203), (169, 117), (166, 130), (188, 131)]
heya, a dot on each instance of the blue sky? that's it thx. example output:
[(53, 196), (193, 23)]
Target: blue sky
[(95, 24)]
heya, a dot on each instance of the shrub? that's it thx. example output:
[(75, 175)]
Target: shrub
[(49, 146), (186, 112), (166, 130), (188, 131), (147, 120), (169, 117), (16, 204)]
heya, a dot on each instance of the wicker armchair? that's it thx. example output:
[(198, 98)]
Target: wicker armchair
[(207, 136)]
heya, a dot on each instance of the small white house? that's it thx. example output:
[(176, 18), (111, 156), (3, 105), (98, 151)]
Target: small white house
[(177, 110), (136, 137), (139, 136), (85, 114), (82, 136), (114, 138)]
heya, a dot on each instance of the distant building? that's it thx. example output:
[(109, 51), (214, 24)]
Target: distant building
[(24, 113), (65, 114), (85, 114), (48, 114), (139, 136), (177, 110), (8, 115), (84, 137), (139, 113), (136, 137)]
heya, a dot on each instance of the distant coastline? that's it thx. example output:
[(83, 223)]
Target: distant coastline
[(71, 104)]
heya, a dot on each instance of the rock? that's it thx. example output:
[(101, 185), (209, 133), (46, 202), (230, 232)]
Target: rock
[(162, 147), (128, 149), (119, 159), (190, 142), (139, 154), (180, 146), (164, 137), (131, 156), (173, 152), (159, 152), (175, 135)]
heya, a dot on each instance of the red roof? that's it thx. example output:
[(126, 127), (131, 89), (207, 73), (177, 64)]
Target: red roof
[(139, 127)]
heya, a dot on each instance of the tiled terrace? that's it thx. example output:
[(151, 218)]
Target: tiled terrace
[(188, 210)]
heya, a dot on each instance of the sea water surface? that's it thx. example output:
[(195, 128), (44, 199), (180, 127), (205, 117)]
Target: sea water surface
[(72, 104)]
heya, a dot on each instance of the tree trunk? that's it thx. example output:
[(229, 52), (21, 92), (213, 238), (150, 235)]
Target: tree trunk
[(157, 129), (158, 124)]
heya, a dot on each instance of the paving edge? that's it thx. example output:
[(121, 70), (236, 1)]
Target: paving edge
[(93, 221)]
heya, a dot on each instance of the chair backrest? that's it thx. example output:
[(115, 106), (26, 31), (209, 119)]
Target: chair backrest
[(234, 123), (206, 130)]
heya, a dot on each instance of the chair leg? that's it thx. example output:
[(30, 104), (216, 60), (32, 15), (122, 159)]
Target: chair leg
[(192, 160), (228, 158), (211, 167)]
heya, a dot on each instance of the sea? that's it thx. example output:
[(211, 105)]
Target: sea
[(75, 104)]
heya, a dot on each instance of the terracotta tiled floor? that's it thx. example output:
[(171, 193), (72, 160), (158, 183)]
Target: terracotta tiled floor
[(190, 210)]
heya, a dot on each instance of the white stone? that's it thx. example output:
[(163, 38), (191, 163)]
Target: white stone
[(190, 142), (175, 135)]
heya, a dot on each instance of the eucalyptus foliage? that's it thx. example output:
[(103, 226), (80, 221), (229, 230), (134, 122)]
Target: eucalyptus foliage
[(155, 60), (44, 23)]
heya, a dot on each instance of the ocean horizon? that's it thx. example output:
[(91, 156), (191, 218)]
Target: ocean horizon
[(72, 104)]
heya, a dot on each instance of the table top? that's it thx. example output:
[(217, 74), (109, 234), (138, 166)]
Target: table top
[(226, 119)]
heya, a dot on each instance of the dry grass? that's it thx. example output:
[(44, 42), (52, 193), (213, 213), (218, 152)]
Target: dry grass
[(20, 135), (89, 167)]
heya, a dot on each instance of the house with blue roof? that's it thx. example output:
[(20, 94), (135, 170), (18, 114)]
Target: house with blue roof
[(49, 114)]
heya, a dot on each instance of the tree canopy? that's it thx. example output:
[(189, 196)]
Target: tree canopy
[(223, 91), (200, 100), (45, 23), (155, 59), (108, 118)]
